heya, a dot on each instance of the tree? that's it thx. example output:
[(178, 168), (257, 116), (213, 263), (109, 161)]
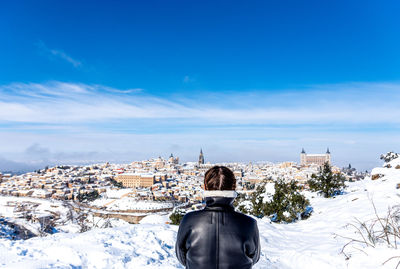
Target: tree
[(238, 201), (88, 197), (176, 216), (116, 183), (326, 182), (284, 204), (287, 204)]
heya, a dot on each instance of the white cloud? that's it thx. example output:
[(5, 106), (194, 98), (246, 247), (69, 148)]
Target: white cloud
[(60, 102), (219, 145), (83, 122)]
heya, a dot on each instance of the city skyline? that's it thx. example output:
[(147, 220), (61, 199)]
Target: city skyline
[(94, 81)]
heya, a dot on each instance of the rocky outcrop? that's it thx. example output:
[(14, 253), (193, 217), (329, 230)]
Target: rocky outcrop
[(377, 176)]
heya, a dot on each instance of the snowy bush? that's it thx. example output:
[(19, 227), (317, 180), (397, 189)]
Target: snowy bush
[(326, 182), (88, 197), (280, 201), (389, 156), (177, 216)]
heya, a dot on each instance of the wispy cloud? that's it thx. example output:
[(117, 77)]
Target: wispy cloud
[(60, 54), (66, 57), (58, 102), (95, 122)]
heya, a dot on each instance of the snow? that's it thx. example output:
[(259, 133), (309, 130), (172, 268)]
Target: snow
[(116, 193), (247, 205), (118, 199), (155, 219), (269, 192), (286, 214), (311, 243), (128, 203), (38, 207), (5, 230), (129, 246)]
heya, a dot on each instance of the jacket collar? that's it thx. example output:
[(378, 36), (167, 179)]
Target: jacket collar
[(218, 193), (219, 203)]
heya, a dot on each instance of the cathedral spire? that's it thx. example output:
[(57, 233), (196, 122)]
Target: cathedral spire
[(201, 157)]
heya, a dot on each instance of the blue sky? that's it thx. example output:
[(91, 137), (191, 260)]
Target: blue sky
[(84, 81)]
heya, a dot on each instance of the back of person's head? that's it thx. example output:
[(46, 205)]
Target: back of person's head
[(219, 178)]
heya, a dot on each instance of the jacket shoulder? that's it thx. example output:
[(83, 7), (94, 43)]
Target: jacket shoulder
[(192, 216), (245, 218)]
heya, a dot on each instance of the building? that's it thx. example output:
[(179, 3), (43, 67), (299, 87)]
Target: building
[(201, 157), (158, 163), (173, 160), (319, 159), (238, 173), (286, 164), (136, 180)]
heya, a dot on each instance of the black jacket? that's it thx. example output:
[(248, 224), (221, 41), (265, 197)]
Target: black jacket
[(218, 237)]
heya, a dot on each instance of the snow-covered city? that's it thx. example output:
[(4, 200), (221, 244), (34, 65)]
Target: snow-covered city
[(212, 134), (131, 227)]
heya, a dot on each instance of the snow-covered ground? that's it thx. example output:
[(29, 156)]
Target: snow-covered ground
[(307, 244), (14, 210), (116, 200), (116, 193), (37, 207), (128, 203)]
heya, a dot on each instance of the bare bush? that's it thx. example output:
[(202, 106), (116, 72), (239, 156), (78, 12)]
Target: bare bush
[(85, 218), (47, 225), (378, 230), (81, 218)]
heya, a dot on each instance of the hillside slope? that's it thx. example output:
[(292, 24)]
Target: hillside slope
[(309, 243)]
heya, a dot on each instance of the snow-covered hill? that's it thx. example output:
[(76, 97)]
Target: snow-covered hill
[(307, 244)]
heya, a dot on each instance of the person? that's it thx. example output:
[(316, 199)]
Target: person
[(218, 236)]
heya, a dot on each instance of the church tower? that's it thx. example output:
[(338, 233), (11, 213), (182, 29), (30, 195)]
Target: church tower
[(303, 157), (328, 156), (201, 157), (171, 158)]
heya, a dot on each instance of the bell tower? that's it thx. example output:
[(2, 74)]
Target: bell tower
[(328, 156), (303, 157), (201, 157)]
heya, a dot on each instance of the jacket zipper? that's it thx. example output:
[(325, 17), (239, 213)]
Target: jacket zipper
[(217, 238)]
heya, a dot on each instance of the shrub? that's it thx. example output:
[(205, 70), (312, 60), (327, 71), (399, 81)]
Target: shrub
[(242, 203), (327, 183), (376, 231), (88, 197), (177, 216), (117, 184), (389, 156), (287, 203), (283, 204)]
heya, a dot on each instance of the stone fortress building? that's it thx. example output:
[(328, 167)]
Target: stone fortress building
[(319, 159), (134, 180)]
